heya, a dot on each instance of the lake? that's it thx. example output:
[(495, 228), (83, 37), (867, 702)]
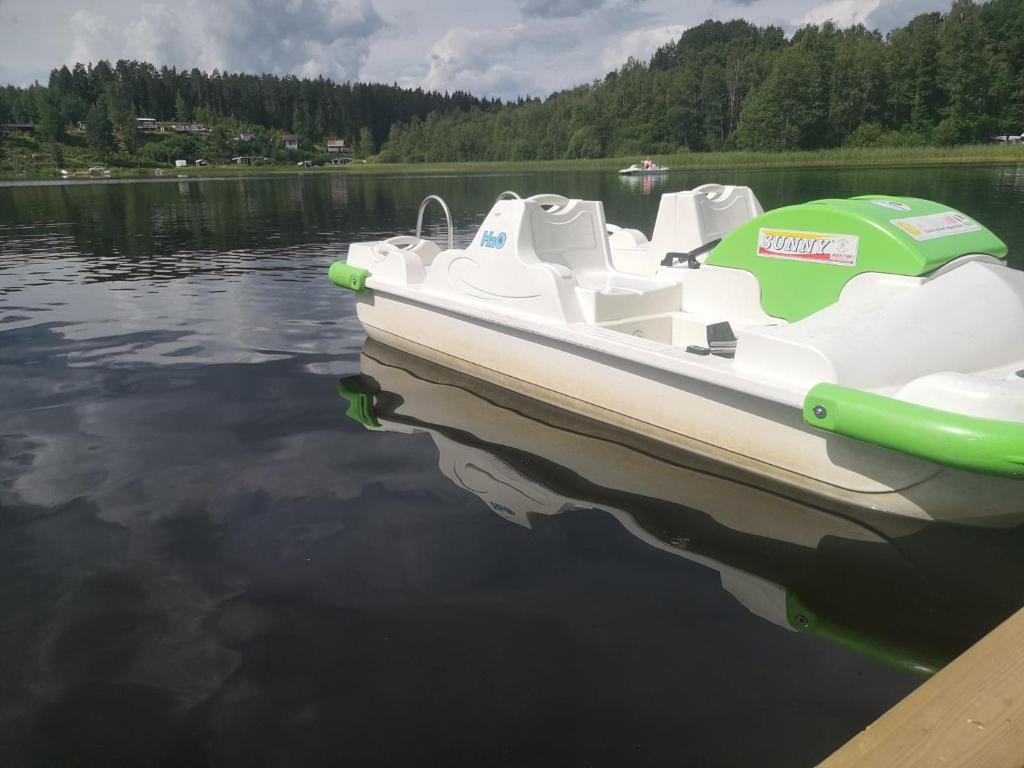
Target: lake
[(211, 556)]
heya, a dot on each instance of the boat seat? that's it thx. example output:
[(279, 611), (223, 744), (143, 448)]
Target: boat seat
[(572, 233), (604, 297), (570, 237), (687, 220)]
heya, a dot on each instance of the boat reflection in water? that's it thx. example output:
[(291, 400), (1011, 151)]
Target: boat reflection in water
[(648, 184), (909, 593)]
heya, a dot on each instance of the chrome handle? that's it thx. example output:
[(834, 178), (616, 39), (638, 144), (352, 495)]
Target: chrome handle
[(447, 216)]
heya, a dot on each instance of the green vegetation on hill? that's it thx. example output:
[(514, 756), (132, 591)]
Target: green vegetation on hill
[(942, 80)]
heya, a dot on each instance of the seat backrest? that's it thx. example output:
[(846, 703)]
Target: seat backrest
[(688, 220), (573, 234)]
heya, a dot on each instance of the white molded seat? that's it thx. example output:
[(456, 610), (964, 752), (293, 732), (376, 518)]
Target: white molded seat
[(574, 236), (614, 296), (688, 220)]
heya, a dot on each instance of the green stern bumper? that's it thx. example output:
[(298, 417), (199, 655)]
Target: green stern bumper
[(966, 442), (347, 276), (916, 661)]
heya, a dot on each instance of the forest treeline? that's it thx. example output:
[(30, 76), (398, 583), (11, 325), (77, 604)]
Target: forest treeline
[(107, 98), (943, 78)]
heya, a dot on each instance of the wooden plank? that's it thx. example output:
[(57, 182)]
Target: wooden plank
[(970, 714)]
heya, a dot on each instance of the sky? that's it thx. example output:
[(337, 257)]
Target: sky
[(507, 49)]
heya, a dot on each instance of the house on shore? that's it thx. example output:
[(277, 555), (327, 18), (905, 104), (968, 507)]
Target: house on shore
[(202, 163), (338, 147), (190, 128), (242, 160), (290, 141), (145, 124)]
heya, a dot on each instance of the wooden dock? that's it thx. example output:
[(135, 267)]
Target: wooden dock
[(970, 714)]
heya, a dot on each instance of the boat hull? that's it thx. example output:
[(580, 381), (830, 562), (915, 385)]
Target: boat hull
[(764, 437)]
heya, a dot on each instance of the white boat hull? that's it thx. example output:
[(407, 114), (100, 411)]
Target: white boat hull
[(644, 172), (726, 425)]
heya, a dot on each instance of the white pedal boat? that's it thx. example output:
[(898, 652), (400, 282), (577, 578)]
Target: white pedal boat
[(868, 350)]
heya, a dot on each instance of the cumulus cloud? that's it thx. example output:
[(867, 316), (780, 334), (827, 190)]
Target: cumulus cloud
[(639, 44), (556, 9), (155, 36), (92, 32), (842, 13), (302, 37), (874, 14), (486, 60), (540, 56), (896, 13)]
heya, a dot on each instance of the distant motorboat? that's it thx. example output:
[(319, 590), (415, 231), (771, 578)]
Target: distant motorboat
[(639, 170)]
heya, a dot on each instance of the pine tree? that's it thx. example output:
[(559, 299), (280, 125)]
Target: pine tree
[(365, 145), (99, 131), (181, 113)]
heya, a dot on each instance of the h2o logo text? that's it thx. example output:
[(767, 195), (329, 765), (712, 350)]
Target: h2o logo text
[(491, 240)]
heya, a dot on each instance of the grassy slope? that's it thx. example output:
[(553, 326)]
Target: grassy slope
[(24, 157)]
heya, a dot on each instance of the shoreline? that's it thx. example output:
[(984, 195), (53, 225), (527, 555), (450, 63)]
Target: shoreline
[(982, 154)]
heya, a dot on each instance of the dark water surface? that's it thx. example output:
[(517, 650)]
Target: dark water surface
[(204, 561)]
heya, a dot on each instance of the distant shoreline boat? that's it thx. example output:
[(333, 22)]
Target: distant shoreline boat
[(639, 170)]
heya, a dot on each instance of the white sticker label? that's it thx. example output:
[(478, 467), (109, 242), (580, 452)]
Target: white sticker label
[(936, 225), (821, 247), (893, 204)]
